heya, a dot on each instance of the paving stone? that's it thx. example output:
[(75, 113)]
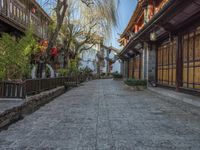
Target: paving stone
[(102, 115)]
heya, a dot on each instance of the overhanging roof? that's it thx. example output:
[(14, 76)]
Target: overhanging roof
[(147, 27)]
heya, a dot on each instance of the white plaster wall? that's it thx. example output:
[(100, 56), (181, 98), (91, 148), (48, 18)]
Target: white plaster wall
[(89, 59), (117, 66)]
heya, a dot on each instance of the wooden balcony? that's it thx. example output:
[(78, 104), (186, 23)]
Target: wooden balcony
[(18, 14)]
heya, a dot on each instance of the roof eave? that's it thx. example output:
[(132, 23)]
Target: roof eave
[(149, 25)]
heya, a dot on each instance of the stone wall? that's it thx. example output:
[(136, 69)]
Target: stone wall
[(151, 62), (30, 105), (144, 67)]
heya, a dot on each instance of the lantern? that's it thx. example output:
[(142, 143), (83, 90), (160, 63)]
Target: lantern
[(153, 36)]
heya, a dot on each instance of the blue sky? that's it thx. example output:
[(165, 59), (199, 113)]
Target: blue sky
[(125, 11)]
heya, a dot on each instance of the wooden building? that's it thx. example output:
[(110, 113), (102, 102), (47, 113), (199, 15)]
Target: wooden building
[(162, 42), (17, 15)]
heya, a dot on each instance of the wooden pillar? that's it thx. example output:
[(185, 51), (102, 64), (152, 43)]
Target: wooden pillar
[(140, 65), (132, 62), (156, 69), (8, 8), (133, 72), (179, 63), (128, 68)]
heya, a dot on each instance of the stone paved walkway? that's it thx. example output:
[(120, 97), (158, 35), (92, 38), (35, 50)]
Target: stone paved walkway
[(103, 116)]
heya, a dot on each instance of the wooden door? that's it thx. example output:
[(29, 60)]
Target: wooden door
[(131, 68), (137, 67), (166, 64), (191, 59)]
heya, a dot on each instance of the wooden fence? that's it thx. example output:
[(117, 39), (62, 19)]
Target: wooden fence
[(31, 87)]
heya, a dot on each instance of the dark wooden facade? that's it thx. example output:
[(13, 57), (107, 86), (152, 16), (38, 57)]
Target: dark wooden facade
[(178, 61), (175, 33), (17, 15)]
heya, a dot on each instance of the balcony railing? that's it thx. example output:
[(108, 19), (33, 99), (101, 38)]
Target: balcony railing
[(3, 7), (21, 15), (17, 12)]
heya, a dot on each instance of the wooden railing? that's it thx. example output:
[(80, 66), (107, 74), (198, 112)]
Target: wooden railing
[(11, 90), (31, 87), (22, 16), (3, 7), (17, 12), (37, 25)]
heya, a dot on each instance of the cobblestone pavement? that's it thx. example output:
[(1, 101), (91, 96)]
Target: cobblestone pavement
[(103, 116)]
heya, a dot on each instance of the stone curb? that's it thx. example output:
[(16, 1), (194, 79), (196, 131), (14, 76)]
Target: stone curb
[(30, 105), (182, 100), (190, 99)]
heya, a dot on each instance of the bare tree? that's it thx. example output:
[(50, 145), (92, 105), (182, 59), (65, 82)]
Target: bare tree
[(77, 37), (60, 10), (105, 9)]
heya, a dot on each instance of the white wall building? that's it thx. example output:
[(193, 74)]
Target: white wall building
[(107, 56), (113, 63), (89, 58)]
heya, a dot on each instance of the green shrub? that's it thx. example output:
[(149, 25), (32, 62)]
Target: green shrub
[(116, 75), (15, 55), (133, 82), (103, 74), (63, 72), (87, 71)]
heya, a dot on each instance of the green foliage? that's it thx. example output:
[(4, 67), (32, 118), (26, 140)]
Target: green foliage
[(116, 75), (15, 54), (133, 82), (47, 72), (87, 71), (103, 74), (63, 72), (73, 66), (1, 75)]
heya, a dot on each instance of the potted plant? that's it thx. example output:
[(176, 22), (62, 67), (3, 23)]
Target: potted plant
[(136, 85)]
